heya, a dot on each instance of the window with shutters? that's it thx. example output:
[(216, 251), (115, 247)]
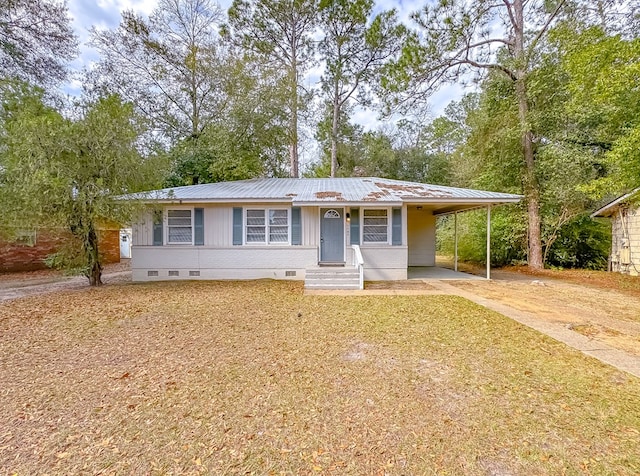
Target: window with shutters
[(180, 227), (375, 225), (267, 226)]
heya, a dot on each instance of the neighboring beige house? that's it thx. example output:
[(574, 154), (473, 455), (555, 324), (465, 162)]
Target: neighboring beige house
[(624, 212), (332, 232)]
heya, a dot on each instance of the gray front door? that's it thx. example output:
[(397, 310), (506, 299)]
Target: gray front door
[(332, 235)]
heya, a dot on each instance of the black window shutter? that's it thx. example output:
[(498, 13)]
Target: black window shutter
[(157, 228), (396, 227), (355, 226), (237, 226), (198, 226), (296, 226)]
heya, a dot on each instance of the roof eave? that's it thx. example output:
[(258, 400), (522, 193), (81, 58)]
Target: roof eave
[(185, 201), (348, 203), (471, 201), (610, 208), (292, 200)]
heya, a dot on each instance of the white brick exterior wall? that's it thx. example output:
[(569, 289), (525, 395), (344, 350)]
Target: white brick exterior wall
[(220, 259), (384, 263), (241, 262)]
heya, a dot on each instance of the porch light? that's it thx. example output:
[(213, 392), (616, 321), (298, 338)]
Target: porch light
[(348, 216)]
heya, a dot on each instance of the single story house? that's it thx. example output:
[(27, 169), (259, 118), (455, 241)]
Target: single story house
[(624, 212), (289, 228)]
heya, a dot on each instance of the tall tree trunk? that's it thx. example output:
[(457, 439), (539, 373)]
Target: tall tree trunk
[(293, 146), (530, 182), (334, 130), (192, 65), (602, 15), (94, 268), (293, 124), (195, 119)]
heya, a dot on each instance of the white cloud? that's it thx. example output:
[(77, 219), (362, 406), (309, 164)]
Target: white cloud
[(142, 6)]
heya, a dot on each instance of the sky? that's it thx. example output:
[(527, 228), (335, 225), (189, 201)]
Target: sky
[(106, 14)]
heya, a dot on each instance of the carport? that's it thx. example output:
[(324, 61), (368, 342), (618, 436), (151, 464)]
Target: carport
[(421, 232)]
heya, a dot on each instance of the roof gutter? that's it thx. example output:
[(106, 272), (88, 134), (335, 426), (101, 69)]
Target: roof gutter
[(608, 209), (215, 200), (362, 203), (470, 209)]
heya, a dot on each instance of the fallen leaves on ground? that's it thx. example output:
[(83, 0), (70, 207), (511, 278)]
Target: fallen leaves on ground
[(256, 378), (611, 317)]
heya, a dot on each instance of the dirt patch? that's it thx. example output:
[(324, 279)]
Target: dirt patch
[(357, 352), (414, 284), (608, 316), (34, 277), (598, 280), (31, 276), (17, 285), (602, 280)]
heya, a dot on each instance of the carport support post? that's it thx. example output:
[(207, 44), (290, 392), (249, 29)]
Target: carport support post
[(455, 241), (488, 241)]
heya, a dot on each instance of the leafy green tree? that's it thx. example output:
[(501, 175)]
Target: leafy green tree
[(280, 33), (36, 40), (429, 150), (508, 236), (581, 243), (378, 154), (459, 37), (489, 158), (348, 152), (216, 108), (355, 48), (221, 154), (601, 71), (579, 133), (249, 140), (70, 173)]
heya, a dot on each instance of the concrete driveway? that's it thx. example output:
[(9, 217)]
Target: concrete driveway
[(17, 285), (601, 323)]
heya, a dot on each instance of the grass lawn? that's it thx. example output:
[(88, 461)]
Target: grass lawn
[(255, 378)]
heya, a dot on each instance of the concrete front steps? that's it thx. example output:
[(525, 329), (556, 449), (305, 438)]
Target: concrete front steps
[(332, 278)]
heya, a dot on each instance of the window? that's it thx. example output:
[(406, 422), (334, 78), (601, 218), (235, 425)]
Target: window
[(375, 226), (179, 227), (278, 226), (269, 225), (255, 226)]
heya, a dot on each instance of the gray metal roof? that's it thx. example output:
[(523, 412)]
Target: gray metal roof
[(610, 208), (326, 190)]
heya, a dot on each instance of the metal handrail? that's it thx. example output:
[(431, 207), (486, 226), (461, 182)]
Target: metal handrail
[(358, 262)]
